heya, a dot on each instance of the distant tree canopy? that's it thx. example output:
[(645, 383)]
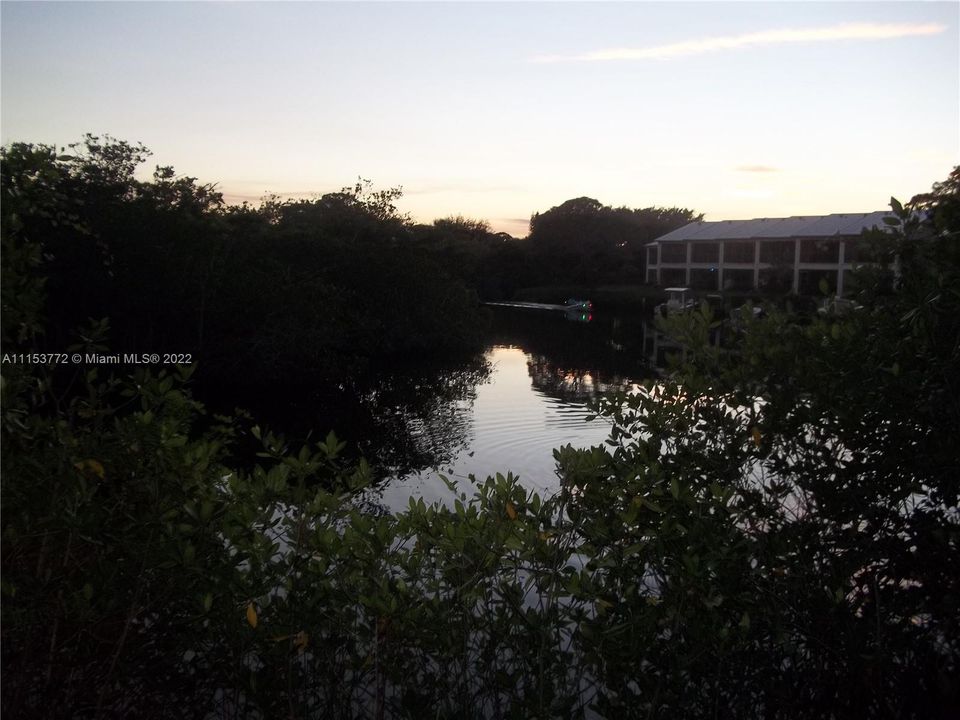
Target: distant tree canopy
[(604, 243), (292, 289), (322, 288), (769, 530), (493, 264)]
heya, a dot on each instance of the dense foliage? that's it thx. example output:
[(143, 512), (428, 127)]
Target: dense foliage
[(579, 244), (769, 532), (583, 241), (286, 293)]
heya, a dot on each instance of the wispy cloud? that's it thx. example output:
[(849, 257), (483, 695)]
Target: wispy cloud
[(852, 31), (758, 169)]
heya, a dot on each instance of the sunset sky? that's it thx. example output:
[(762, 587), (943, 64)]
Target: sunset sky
[(498, 110)]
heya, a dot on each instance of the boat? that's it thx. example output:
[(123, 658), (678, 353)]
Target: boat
[(577, 304), (838, 306), (677, 301)]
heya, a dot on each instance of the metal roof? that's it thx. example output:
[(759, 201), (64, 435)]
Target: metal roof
[(796, 226)]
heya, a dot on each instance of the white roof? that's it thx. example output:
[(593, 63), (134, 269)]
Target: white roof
[(797, 226)]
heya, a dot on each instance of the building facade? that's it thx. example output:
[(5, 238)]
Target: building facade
[(769, 254)]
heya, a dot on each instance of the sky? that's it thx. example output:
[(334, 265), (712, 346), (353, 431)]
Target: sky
[(495, 111)]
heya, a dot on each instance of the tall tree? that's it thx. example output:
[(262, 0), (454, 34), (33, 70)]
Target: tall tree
[(582, 240)]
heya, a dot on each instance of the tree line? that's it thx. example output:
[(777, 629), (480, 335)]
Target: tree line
[(289, 291), (771, 529)]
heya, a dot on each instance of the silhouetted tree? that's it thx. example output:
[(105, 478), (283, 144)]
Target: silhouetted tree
[(584, 241)]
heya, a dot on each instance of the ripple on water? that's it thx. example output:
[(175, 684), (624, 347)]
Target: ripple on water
[(514, 427)]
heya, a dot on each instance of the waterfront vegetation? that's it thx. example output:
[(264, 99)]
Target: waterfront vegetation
[(771, 530)]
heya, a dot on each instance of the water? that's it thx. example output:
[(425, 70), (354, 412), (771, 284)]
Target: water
[(503, 410), (535, 398)]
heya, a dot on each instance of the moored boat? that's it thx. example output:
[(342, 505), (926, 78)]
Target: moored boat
[(677, 301)]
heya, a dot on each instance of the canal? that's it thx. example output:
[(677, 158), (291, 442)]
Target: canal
[(542, 372)]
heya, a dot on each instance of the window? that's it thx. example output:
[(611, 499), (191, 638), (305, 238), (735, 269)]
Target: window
[(810, 282), (673, 276), (853, 251), (861, 251), (737, 280), (738, 252), (819, 251), (775, 280), (652, 255), (777, 252), (673, 253), (705, 252), (703, 279)]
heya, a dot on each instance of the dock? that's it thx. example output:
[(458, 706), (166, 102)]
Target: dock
[(580, 305)]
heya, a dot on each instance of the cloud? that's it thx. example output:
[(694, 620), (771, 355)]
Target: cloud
[(758, 169), (851, 31)]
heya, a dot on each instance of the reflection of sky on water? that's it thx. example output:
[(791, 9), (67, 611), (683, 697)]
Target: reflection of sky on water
[(516, 420)]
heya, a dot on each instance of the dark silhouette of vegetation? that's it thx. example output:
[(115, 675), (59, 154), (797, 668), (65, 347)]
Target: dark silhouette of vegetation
[(301, 305), (578, 243), (582, 241), (493, 264), (770, 531), (288, 291)]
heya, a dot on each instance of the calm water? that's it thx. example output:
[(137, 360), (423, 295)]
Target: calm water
[(543, 372), (503, 410)]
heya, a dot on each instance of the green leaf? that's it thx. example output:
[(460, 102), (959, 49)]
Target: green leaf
[(652, 505)]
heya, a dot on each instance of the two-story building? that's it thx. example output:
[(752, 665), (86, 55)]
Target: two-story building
[(768, 254)]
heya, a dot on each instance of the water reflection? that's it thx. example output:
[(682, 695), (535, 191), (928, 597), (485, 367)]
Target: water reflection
[(504, 410), (514, 425), (420, 417), (545, 371), (402, 419), (609, 344), (659, 348), (578, 315), (574, 383)]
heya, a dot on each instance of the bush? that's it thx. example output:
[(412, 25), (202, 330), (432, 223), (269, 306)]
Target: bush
[(770, 531)]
